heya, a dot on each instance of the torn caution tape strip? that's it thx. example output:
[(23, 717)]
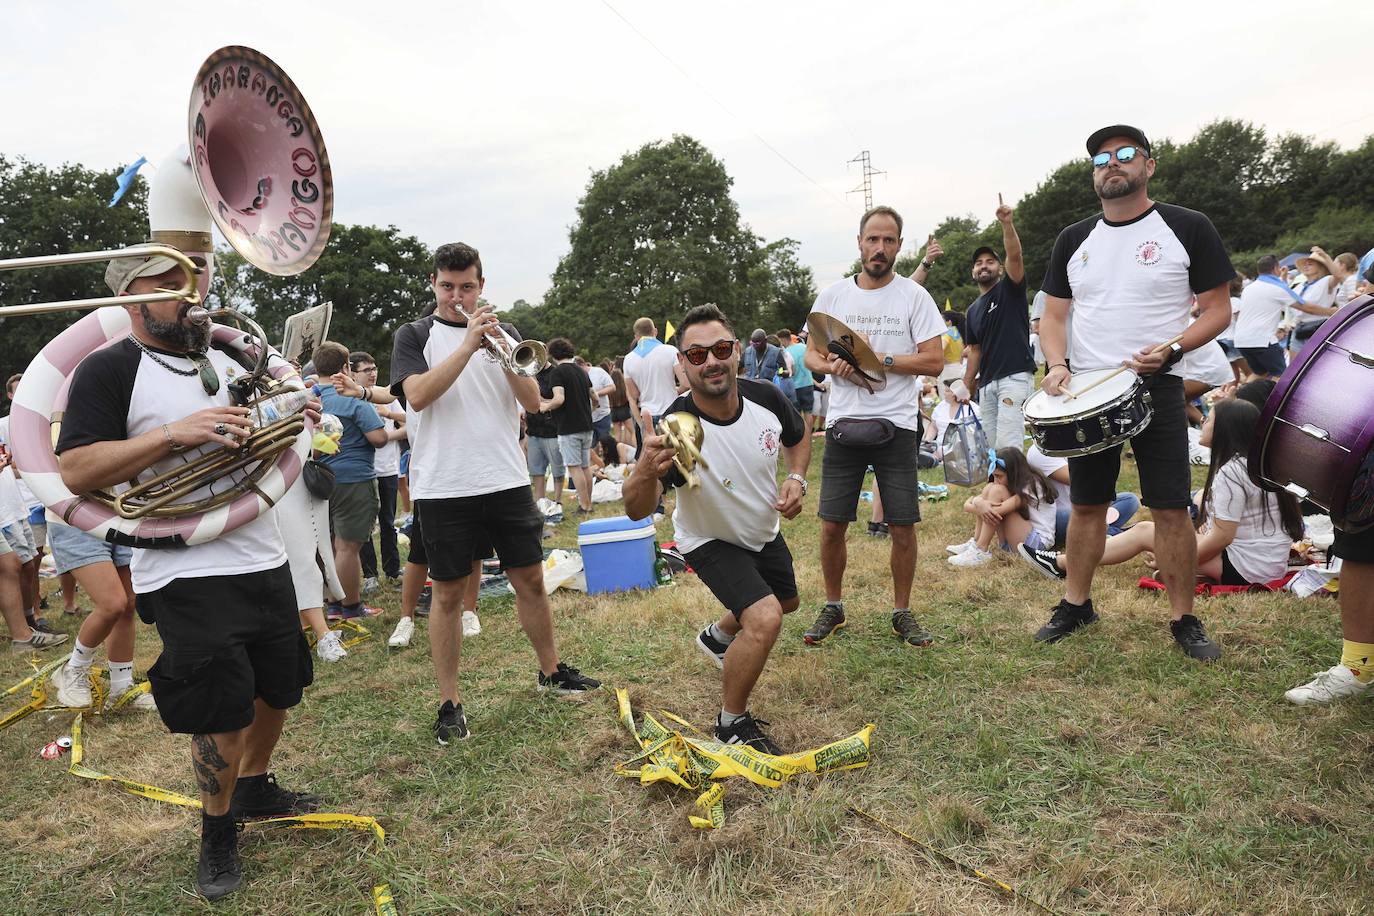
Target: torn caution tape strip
[(361, 632), (39, 694), (382, 898), (701, 764)]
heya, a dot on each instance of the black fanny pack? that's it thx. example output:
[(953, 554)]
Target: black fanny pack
[(863, 433), (319, 479)]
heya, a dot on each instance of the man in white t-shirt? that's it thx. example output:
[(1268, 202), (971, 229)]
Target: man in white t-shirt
[(470, 485), (1262, 305), (727, 526), (651, 371), (386, 464), (882, 429), (1130, 275)]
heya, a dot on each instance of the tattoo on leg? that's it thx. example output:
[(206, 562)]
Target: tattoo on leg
[(207, 762)]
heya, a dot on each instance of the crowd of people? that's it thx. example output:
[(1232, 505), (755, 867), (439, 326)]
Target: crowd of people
[(476, 452)]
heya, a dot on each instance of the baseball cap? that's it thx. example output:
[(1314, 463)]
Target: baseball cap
[(123, 271), (982, 251), (1117, 130)]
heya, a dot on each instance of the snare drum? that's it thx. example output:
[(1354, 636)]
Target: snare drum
[(1111, 412), (1315, 437)]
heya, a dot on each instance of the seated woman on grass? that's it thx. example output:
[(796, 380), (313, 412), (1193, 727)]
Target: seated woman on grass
[(1016, 507), (1244, 533)]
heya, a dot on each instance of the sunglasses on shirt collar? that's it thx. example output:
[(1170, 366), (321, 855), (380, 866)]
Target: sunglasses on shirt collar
[(1124, 154), (721, 350)]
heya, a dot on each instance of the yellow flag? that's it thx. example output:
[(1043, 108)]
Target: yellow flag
[(668, 331), (947, 306)]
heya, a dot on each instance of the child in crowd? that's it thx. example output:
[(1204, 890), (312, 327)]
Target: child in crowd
[(1015, 508), (1244, 533)]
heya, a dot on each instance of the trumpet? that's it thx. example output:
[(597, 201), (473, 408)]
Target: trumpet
[(523, 357), (685, 434)]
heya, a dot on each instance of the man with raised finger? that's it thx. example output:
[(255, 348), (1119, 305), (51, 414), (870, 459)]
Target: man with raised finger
[(727, 525)]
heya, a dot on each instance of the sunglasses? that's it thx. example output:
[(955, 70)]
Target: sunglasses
[(721, 350), (1124, 154)]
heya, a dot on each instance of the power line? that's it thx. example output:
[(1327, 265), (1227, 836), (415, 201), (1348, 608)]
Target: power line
[(867, 186), (712, 96)]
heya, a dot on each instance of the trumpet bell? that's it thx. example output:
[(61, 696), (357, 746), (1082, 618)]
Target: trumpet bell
[(686, 435), (528, 357), (260, 162)]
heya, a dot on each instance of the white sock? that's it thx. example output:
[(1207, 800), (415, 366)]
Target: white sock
[(720, 635), (121, 677), (82, 656), (729, 718)]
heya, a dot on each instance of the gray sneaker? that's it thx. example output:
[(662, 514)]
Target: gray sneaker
[(73, 686), (39, 640)]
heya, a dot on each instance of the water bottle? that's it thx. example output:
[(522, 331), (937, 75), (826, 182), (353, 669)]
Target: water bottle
[(279, 406)]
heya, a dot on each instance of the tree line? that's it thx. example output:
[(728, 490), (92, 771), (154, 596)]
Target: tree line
[(658, 232)]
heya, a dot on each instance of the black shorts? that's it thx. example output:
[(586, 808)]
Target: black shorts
[(894, 465), (1265, 360), (461, 530), (1354, 548), (620, 414), (739, 577), (1229, 574), (806, 399), (225, 641), (1161, 456), (417, 538)]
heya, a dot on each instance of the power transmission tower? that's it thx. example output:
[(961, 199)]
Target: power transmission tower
[(869, 172)]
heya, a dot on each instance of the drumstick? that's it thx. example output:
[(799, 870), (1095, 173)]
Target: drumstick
[(1070, 395)]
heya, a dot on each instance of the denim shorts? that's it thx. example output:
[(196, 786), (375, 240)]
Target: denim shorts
[(20, 539), (576, 449), (73, 548), (544, 457)]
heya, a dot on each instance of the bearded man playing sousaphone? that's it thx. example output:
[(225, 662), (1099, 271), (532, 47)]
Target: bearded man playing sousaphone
[(234, 658)]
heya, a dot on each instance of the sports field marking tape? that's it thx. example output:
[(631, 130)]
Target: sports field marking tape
[(950, 860), (696, 763), (381, 894)]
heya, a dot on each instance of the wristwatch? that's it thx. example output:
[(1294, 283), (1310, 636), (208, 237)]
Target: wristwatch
[(889, 361), (928, 265), (799, 479), (1175, 354)]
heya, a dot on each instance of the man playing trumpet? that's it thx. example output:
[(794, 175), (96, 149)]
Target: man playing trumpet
[(727, 525)]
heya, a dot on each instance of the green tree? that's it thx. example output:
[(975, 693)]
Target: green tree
[(58, 211), (792, 287), (656, 234), (378, 280)]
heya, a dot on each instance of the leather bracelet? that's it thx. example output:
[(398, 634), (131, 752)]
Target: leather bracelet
[(1057, 365), (176, 447)]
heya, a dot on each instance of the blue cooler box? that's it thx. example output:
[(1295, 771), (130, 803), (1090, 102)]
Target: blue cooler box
[(617, 554)]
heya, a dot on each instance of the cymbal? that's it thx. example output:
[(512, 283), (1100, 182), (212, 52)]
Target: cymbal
[(837, 338)]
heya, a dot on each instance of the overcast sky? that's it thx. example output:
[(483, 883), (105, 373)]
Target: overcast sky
[(482, 122)]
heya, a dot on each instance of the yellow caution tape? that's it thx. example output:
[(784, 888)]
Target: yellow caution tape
[(340, 626), (38, 675), (383, 901), (325, 821), (691, 762), (39, 695), (950, 860)]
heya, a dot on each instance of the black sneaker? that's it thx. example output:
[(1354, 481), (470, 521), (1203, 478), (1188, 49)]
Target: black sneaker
[(1065, 620), (260, 796), (747, 731), (1042, 561), (42, 626), (1192, 639), (910, 631), (830, 620), (877, 529), (451, 725), (219, 871), (714, 648), (567, 681), (426, 598)]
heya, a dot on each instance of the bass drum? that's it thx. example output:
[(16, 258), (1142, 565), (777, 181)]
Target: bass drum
[(1315, 437), (38, 405), (1115, 408)]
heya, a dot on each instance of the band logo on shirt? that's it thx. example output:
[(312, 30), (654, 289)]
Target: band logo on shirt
[(768, 442), (1148, 254)]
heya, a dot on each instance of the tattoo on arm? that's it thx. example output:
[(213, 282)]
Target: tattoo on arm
[(208, 762)]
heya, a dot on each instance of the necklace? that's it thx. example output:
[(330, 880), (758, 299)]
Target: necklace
[(209, 379)]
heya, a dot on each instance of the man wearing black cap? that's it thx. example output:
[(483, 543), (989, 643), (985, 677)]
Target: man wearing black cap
[(1129, 275), (1000, 366)]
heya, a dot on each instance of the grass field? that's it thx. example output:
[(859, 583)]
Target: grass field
[(1108, 774)]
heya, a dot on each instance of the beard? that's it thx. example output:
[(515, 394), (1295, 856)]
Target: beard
[(877, 270), (190, 338), (714, 386), (1110, 189)]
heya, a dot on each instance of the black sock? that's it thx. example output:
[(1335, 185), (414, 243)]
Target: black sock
[(29, 619)]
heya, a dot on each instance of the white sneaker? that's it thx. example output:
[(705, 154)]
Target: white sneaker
[(971, 557), (143, 702), (73, 687), (471, 625), (1335, 683), (956, 549), (370, 584), (400, 637), (330, 647)]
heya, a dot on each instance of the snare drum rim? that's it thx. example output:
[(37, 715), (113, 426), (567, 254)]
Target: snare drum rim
[(1127, 395)]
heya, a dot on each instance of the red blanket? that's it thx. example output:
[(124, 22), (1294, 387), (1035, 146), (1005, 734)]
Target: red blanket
[(1207, 589)]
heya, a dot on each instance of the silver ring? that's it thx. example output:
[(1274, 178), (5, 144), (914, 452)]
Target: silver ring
[(221, 429)]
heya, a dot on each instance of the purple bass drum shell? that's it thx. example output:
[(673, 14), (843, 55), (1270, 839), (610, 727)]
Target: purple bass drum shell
[(1315, 436)]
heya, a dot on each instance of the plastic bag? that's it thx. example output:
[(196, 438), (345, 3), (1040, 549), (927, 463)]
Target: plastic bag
[(965, 449)]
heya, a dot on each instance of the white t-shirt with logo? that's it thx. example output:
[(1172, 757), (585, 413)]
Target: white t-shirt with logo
[(734, 502), (1132, 283), (467, 442), (1259, 551), (650, 366), (897, 318), (1261, 309)]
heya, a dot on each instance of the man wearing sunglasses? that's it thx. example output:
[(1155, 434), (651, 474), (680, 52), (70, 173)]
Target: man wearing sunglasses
[(234, 658), (1128, 276), (727, 527), (880, 429)]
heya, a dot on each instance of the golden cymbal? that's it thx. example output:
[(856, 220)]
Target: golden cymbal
[(839, 339)]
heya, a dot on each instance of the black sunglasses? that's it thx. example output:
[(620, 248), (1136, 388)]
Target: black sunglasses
[(721, 350), (1124, 154)]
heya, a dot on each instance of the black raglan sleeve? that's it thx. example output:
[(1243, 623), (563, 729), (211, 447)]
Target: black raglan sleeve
[(98, 401), (1209, 266), (771, 398), (408, 354)]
